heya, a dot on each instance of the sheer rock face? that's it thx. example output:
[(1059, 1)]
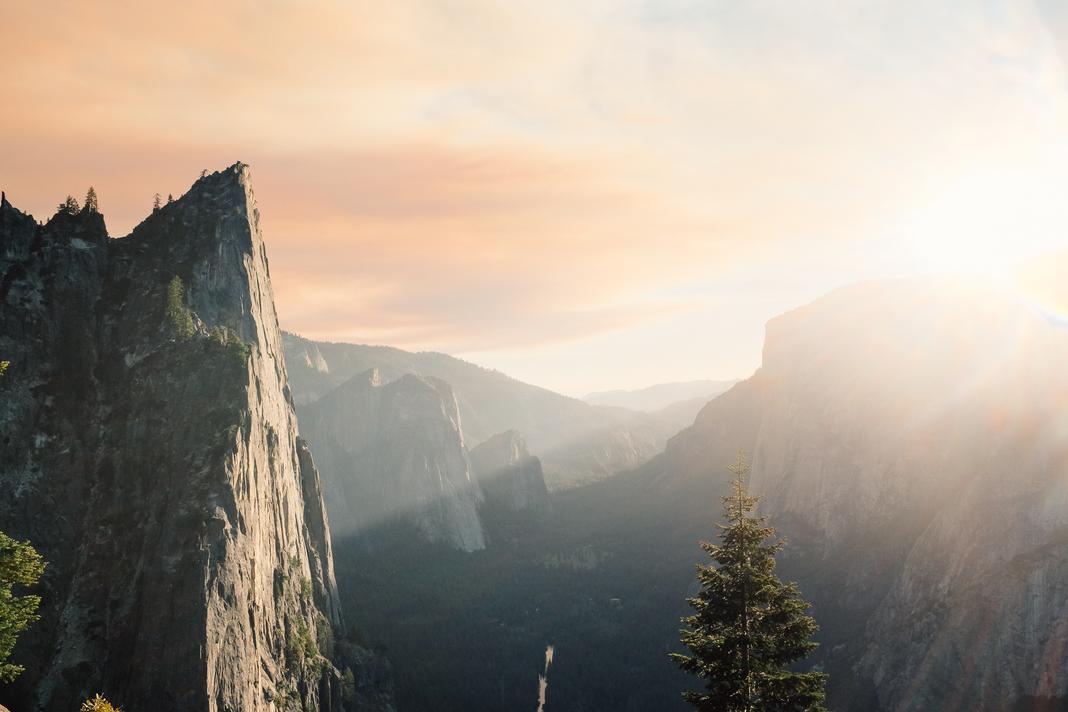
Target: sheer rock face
[(909, 439), (510, 477), (162, 479), (395, 452)]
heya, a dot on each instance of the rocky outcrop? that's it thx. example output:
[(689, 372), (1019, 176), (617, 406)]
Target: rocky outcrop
[(909, 440), (510, 477), (395, 452), (160, 473)]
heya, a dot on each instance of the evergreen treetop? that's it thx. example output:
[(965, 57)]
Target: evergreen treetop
[(90, 200), (747, 625), (70, 205)]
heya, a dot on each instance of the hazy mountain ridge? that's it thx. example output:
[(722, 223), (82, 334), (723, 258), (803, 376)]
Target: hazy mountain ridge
[(576, 442), (918, 471), (659, 396), (163, 479)]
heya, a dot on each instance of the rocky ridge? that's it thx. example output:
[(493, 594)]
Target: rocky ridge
[(161, 476)]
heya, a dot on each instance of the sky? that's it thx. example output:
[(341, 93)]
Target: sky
[(585, 195)]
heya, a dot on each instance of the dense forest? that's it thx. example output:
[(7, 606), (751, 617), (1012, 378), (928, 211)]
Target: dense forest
[(472, 628)]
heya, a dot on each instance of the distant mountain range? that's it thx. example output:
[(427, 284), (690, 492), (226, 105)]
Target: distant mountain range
[(660, 396), (908, 439), (577, 442)]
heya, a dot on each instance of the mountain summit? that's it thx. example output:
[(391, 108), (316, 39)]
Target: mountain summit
[(151, 452)]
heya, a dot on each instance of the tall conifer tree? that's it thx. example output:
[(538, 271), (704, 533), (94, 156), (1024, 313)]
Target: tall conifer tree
[(90, 200), (748, 626)]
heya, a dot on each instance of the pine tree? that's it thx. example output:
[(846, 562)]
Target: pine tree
[(90, 200), (20, 565), (748, 625), (70, 205), (156, 202)]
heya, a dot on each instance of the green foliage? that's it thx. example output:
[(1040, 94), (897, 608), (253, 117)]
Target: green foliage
[(179, 318), (302, 652), (20, 565), (324, 635), (471, 629), (748, 625), (286, 696), (91, 203), (348, 686), (4, 365), (239, 350), (98, 704)]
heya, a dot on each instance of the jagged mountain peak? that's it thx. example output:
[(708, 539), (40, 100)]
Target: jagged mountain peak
[(182, 515)]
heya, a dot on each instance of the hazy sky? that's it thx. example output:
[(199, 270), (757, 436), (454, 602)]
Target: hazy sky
[(585, 195)]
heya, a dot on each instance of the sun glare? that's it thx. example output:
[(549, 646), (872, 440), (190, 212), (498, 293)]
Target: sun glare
[(985, 224)]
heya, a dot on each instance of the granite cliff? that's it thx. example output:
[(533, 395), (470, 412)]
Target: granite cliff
[(909, 439), (158, 467), (395, 452), (511, 478)]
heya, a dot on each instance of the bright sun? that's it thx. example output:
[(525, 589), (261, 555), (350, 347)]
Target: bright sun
[(987, 223)]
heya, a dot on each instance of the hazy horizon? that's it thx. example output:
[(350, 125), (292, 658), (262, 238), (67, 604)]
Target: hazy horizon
[(585, 198)]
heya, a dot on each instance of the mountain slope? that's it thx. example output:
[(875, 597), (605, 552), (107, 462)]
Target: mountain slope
[(190, 561)]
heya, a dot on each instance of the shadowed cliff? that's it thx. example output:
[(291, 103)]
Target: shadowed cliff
[(158, 471)]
